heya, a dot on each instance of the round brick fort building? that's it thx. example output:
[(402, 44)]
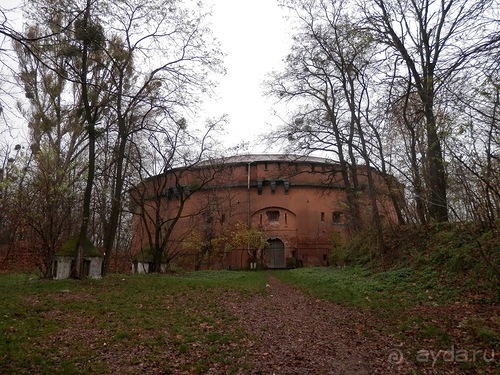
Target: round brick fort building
[(191, 216)]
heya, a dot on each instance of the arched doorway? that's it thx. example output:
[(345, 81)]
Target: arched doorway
[(274, 254)]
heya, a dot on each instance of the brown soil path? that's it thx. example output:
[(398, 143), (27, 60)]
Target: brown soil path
[(296, 334)]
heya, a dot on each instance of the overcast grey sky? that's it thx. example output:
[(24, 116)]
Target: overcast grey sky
[(256, 39)]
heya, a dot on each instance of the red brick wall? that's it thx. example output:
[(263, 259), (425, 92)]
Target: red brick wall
[(19, 258), (306, 194)]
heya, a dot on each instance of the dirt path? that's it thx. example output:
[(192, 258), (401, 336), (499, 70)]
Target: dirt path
[(297, 334)]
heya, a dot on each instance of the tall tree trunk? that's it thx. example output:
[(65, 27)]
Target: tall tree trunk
[(89, 119), (417, 180), (116, 204), (350, 191), (438, 207), (349, 89)]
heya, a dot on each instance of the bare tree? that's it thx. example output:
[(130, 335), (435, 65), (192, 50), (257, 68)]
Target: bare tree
[(388, 80), (12, 172), (128, 62), (329, 71), (157, 72), (435, 40), (474, 148), (8, 33), (313, 80), (214, 220), (44, 204), (158, 201), (57, 140)]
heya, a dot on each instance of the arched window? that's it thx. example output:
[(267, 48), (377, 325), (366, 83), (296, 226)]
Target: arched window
[(273, 216)]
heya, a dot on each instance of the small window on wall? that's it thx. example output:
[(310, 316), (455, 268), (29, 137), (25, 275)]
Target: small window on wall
[(273, 216), (322, 216), (337, 217)]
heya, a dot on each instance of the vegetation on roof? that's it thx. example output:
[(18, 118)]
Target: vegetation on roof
[(69, 248)]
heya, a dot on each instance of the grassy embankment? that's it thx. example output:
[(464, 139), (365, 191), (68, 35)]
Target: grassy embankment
[(437, 288)]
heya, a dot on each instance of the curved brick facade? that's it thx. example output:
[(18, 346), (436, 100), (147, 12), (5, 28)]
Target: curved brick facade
[(297, 202)]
